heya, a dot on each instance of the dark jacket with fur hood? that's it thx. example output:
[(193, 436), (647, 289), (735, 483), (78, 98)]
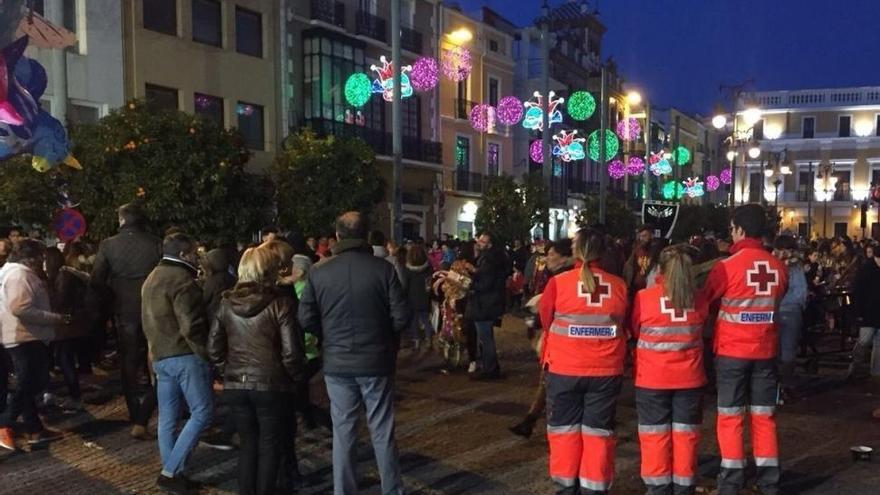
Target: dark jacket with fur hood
[(417, 285), (255, 340)]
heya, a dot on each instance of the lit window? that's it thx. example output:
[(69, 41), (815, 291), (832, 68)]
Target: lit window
[(209, 107), (250, 123)]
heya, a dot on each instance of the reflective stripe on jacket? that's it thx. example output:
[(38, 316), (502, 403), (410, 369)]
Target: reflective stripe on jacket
[(669, 350), (749, 284), (586, 335)]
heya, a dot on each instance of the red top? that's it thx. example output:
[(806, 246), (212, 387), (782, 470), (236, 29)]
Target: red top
[(749, 284), (585, 332), (669, 351)]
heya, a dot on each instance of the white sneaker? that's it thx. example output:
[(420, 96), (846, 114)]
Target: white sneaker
[(472, 367)]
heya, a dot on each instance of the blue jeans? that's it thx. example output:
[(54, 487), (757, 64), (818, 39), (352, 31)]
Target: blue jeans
[(182, 378), (423, 320), (377, 394), (790, 323), (868, 349), (486, 339)]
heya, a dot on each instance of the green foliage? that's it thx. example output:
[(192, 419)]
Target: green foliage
[(620, 221), (26, 196), (510, 209), (186, 171), (319, 178)]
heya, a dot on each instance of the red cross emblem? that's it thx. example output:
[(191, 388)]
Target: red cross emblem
[(600, 293), (675, 315), (762, 278)]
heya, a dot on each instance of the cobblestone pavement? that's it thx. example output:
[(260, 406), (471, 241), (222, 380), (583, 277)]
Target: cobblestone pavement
[(453, 438)]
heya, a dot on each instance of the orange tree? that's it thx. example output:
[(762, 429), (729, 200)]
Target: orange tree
[(185, 171), (317, 178)]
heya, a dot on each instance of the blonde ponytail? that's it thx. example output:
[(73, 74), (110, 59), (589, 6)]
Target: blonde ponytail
[(678, 283), (589, 246)]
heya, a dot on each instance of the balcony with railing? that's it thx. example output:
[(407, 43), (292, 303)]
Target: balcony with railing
[(329, 11), (410, 39), (467, 181), (463, 108), (371, 25), (380, 141)]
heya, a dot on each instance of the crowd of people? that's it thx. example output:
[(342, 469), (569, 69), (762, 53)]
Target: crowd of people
[(242, 330)]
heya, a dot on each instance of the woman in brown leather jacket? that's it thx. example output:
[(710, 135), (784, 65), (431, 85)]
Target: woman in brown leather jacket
[(257, 345)]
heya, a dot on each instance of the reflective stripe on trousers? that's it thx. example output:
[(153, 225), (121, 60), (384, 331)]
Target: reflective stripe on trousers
[(598, 486)]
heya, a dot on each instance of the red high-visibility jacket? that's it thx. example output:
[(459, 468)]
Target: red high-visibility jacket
[(669, 348), (750, 284), (586, 334)]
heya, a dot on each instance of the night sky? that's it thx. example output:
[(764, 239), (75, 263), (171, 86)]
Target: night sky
[(678, 52)]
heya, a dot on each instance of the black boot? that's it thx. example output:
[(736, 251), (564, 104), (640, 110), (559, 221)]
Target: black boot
[(524, 428)]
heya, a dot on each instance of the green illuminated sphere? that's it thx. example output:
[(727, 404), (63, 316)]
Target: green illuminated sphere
[(611, 145), (581, 105), (357, 89), (672, 190), (681, 156)]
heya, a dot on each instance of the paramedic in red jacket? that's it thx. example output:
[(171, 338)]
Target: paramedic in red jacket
[(669, 375), (583, 312), (748, 285)]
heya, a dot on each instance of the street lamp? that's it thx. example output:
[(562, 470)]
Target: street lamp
[(731, 155), (825, 187), (719, 121), (461, 36), (754, 152), (751, 116), (634, 98)]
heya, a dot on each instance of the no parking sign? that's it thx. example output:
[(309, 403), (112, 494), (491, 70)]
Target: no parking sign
[(68, 224)]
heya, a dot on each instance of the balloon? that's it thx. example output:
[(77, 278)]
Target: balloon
[(32, 76)]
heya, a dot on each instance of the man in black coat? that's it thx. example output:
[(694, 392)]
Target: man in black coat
[(485, 302), (122, 264), (355, 304)]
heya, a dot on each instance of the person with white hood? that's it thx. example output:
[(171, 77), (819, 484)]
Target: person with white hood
[(27, 326)]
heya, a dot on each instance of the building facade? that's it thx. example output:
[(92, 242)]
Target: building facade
[(471, 157), (829, 139), (328, 40), (215, 58), (85, 80)]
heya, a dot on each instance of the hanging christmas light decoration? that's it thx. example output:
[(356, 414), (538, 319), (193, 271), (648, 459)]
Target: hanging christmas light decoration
[(672, 190), (681, 156), (536, 151), (659, 164), (581, 105), (510, 110), (357, 89), (629, 129), (693, 187), (534, 118), (482, 117), (384, 83), (712, 183), (568, 147), (456, 63), (616, 169), (726, 176), (423, 76), (611, 145), (635, 166)]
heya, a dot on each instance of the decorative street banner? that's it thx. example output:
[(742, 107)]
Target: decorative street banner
[(661, 215)]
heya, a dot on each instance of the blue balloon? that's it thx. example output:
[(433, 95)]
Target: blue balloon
[(32, 76), (50, 139)]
